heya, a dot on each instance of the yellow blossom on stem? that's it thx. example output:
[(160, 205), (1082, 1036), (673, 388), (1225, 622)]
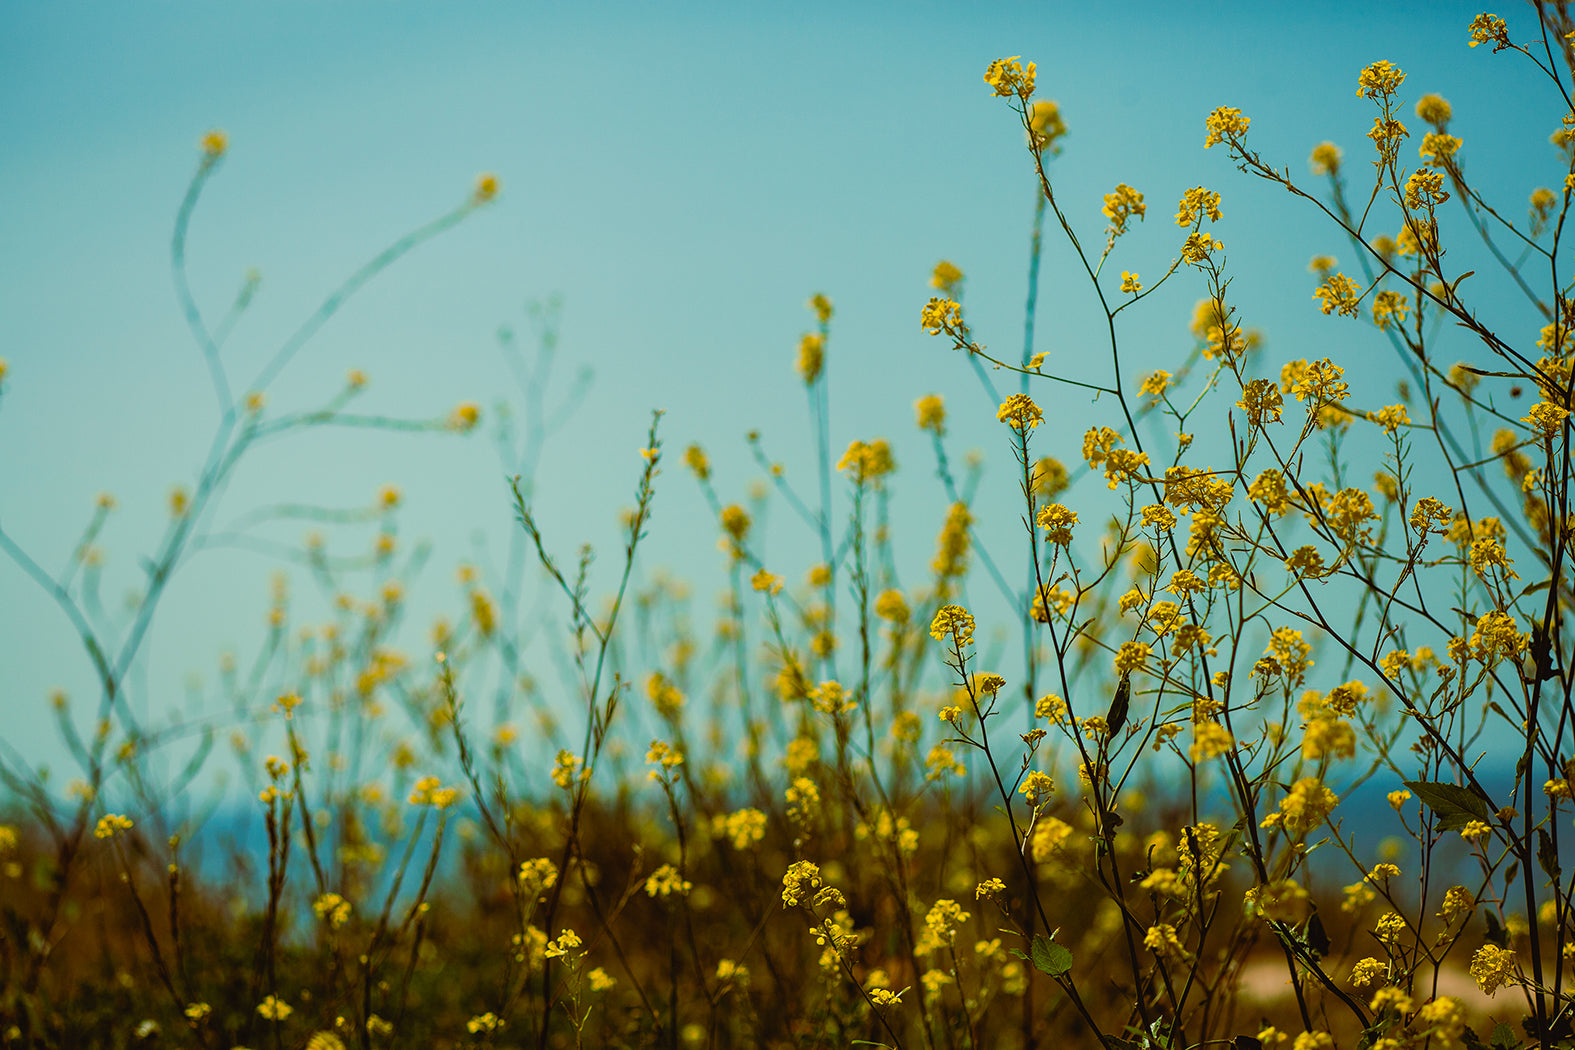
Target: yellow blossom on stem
[(1492, 967), (940, 315), (929, 413), (1338, 293), (946, 277), (1380, 79), (1486, 28), (1325, 159), (1225, 125), (110, 825), (1008, 76), (1019, 412)]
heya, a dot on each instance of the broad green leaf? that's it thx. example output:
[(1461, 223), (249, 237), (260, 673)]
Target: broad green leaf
[(1453, 805), (1051, 958)]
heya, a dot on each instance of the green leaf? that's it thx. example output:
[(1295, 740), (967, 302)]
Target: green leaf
[(1495, 930), (1547, 856), (1504, 1037), (1453, 805), (1051, 958)]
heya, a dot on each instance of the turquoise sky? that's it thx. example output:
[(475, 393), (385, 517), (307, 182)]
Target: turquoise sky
[(684, 176)]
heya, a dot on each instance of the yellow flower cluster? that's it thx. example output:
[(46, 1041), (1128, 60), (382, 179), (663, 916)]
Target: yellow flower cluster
[(867, 462), (941, 315), (1493, 967), (1122, 205), (1009, 77), (929, 412), (110, 825), (1225, 125), (1019, 412), (1379, 80)]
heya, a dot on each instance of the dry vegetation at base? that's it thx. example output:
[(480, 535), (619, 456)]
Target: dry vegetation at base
[(853, 824)]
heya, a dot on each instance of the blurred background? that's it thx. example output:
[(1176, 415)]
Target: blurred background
[(682, 177)]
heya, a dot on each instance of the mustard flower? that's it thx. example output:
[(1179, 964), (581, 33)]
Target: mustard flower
[(1367, 971), (563, 945), (954, 622), (1492, 967), (800, 880), (1210, 740), (1037, 788), (1424, 189), (1262, 402), (735, 522), (1357, 896), (464, 417), (942, 920), (563, 770), (1386, 134), (1045, 126), (1131, 656), (940, 315), (1225, 125), (821, 306), (1121, 205), (892, 606), (214, 145), (1496, 638), (811, 357), (110, 825), (1391, 418), (664, 755), (1196, 203), (1437, 149), (1434, 109), (1340, 293), (666, 881), (695, 459), (1161, 939), (1380, 79), (1129, 282), (1475, 830), (1390, 928), (1198, 247), (929, 413), (1009, 77), (1306, 807), (945, 278), (1019, 412), (486, 188), (274, 1008), (867, 462), (332, 909), (803, 799), (1057, 521), (1485, 28), (1546, 418), (1325, 159)]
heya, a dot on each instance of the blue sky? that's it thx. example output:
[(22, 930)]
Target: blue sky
[(684, 176)]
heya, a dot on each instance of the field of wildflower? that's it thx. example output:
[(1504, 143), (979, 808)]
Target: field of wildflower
[(1259, 732)]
